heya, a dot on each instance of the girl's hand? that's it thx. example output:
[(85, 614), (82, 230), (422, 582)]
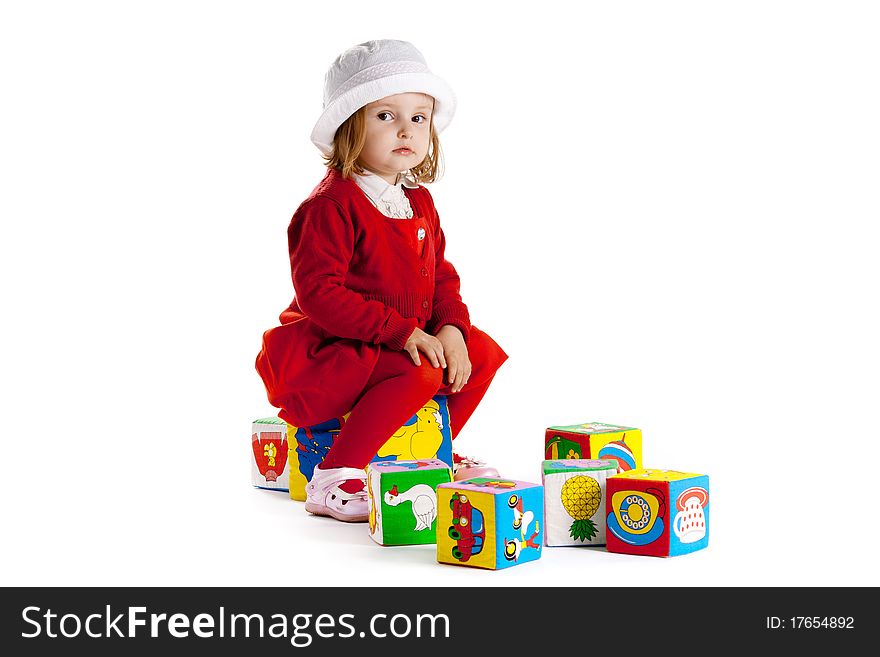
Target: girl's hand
[(456, 352), (428, 345)]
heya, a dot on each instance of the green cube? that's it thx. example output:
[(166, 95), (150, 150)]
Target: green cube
[(403, 500)]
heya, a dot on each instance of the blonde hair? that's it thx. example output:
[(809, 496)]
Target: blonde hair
[(349, 140)]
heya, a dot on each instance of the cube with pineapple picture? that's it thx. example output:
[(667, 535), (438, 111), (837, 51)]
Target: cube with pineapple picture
[(489, 522), (403, 500), (574, 501), (660, 513), (595, 440)]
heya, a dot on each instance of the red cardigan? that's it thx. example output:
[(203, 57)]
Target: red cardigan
[(359, 274), (362, 280)]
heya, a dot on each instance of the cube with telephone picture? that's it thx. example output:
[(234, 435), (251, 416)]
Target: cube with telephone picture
[(660, 513)]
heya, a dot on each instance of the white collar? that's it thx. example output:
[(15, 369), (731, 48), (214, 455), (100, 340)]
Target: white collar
[(378, 188)]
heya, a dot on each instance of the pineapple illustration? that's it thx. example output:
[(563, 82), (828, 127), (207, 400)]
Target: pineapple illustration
[(581, 496)]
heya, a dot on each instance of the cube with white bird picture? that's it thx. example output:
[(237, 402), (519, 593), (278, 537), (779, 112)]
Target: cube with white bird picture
[(403, 500)]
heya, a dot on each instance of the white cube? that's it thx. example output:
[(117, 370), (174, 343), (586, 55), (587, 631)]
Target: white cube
[(574, 501), (269, 467)]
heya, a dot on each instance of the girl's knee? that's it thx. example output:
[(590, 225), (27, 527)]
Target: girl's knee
[(485, 354), (425, 378)]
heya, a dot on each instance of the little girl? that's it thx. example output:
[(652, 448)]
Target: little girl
[(377, 325)]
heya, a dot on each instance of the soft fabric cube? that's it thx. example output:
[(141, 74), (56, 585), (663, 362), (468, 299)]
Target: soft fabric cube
[(426, 435), (659, 513), (595, 440), (403, 500), (269, 467), (574, 501), (489, 523)]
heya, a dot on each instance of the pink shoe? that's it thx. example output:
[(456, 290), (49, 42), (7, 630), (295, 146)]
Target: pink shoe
[(324, 497), (465, 467)]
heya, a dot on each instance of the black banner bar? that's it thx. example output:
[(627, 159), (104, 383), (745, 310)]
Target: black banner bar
[(392, 621)]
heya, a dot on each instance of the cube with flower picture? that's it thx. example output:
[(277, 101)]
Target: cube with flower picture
[(574, 501), (595, 440), (489, 522), (269, 468)]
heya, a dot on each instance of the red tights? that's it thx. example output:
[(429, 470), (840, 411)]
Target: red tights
[(395, 391)]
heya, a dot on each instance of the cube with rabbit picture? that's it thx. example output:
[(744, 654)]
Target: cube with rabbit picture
[(403, 500), (574, 501), (489, 522), (660, 513), (426, 435)]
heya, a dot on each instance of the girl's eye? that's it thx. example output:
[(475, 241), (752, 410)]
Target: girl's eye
[(421, 119), (380, 115)]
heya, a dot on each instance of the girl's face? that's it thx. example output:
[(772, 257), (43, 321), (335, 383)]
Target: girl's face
[(398, 132)]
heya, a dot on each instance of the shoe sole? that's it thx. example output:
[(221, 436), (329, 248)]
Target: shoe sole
[(482, 473), (321, 510)]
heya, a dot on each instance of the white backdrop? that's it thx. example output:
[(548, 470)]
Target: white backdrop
[(664, 212)]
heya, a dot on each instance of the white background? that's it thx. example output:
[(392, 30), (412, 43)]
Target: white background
[(664, 212)]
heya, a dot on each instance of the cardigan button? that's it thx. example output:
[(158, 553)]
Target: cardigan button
[(424, 271), (424, 304)]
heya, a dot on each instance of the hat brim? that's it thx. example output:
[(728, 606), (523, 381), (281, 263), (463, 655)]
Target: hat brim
[(335, 114)]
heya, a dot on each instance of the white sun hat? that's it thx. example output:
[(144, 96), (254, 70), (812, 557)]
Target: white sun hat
[(372, 70)]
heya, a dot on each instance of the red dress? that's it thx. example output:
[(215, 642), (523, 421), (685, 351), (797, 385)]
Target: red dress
[(363, 282)]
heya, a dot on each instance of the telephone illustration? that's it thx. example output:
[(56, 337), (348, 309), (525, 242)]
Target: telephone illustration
[(637, 516)]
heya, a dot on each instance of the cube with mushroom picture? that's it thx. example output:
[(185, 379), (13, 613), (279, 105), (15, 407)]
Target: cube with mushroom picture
[(595, 440)]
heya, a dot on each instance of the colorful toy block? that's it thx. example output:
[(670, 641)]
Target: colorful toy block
[(659, 513), (489, 523), (574, 501), (403, 500), (426, 435), (595, 440), (269, 467)]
